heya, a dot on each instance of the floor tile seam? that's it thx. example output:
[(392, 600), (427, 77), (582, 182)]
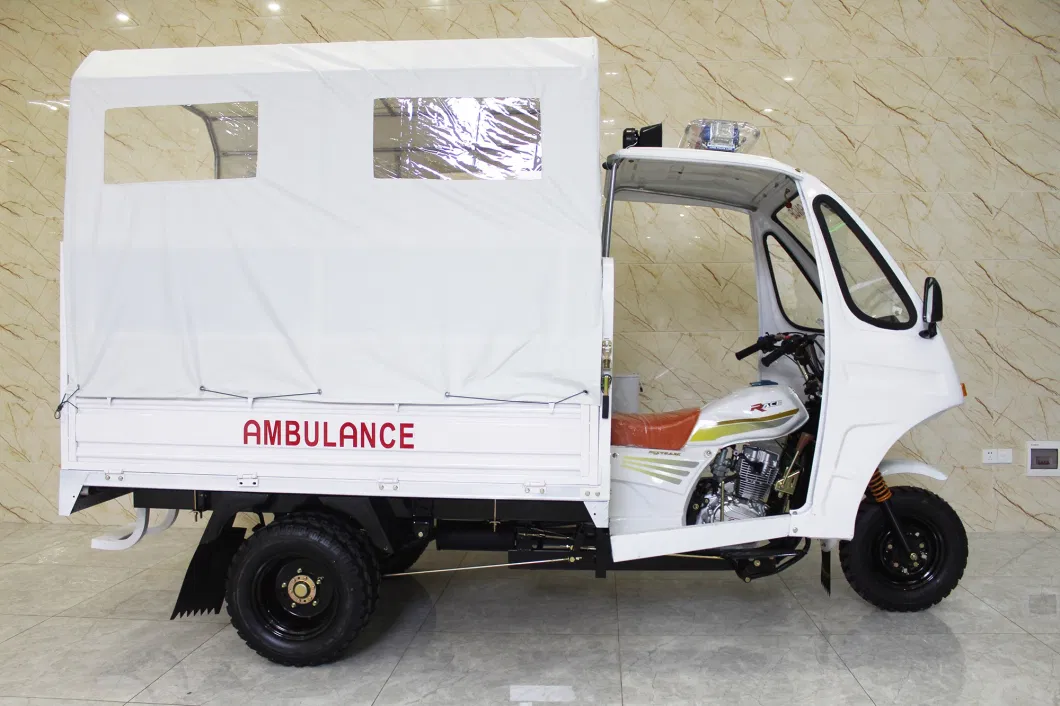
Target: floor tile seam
[(849, 670), (96, 594), (987, 604), (179, 662), (1041, 541), (1037, 636), (28, 627), (805, 610), (413, 637)]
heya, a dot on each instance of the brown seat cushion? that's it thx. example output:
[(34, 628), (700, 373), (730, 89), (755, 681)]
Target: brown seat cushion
[(668, 431)]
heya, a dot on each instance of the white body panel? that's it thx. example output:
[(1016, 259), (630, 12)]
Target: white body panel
[(650, 489), (484, 451)]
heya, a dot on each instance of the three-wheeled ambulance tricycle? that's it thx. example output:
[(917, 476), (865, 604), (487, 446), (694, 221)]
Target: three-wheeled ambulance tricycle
[(361, 289)]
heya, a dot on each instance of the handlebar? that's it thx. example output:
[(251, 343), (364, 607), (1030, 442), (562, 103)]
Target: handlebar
[(774, 346), (762, 344), (787, 346), (800, 346)]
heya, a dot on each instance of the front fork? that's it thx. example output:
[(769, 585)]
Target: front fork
[(881, 493)]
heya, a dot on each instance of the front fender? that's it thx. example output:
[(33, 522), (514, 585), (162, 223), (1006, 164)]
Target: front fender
[(890, 467)]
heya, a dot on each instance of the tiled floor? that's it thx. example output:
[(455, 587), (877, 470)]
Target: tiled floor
[(80, 627)]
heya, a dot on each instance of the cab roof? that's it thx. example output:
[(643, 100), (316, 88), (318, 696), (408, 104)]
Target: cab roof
[(691, 176)]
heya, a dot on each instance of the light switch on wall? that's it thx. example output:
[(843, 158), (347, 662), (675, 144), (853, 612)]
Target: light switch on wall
[(1004, 455)]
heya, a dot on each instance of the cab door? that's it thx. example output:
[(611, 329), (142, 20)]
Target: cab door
[(882, 377)]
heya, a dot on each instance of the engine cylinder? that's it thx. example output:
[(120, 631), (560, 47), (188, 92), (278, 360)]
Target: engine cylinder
[(757, 469)]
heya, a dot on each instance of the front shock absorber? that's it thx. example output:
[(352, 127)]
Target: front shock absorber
[(881, 492)]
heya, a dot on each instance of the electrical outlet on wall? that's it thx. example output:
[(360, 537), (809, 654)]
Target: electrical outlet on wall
[(992, 456)]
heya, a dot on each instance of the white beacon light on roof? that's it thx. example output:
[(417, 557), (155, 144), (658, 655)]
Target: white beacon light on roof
[(720, 135)]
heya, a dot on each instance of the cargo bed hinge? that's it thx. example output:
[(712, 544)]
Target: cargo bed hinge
[(248, 480), (536, 487)]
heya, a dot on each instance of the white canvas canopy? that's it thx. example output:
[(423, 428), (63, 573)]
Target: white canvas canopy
[(306, 265)]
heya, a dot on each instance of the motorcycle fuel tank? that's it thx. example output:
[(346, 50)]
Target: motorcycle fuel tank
[(755, 413)]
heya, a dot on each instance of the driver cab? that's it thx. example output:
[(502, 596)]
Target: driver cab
[(822, 278)]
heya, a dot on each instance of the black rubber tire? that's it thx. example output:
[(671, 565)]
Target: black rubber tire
[(321, 540), (405, 556), (864, 572)]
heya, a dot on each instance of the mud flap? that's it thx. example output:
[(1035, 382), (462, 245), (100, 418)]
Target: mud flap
[(826, 570), (203, 590)]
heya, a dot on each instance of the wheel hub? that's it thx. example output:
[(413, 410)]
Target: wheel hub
[(302, 589), (917, 566)]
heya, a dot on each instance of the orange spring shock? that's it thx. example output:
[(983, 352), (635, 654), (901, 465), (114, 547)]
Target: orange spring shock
[(879, 488)]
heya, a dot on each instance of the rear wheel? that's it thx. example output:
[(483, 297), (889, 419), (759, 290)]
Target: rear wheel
[(883, 573), (301, 590)]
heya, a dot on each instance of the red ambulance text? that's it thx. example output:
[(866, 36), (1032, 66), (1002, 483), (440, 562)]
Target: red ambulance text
[(290, 432)]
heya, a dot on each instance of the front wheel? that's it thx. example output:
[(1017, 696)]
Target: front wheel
[(883, 573)]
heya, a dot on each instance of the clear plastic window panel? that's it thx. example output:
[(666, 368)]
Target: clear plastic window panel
[(233, 129), (798, 299), (867, 283), (457, 138)]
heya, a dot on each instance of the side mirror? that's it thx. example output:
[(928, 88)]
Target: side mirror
[(932, 307)]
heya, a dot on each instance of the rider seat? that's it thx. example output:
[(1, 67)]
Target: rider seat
[(668, 431)]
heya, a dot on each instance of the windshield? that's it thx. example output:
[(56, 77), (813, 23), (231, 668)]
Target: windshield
[(870, 287)]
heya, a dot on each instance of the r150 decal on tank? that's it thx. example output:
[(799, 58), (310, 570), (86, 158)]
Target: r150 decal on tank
[(291, 432)]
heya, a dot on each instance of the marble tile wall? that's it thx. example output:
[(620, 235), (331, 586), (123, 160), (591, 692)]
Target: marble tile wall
[(938, 119)]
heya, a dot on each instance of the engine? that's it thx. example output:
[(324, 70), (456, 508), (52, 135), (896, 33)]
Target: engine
[(739, 484)]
